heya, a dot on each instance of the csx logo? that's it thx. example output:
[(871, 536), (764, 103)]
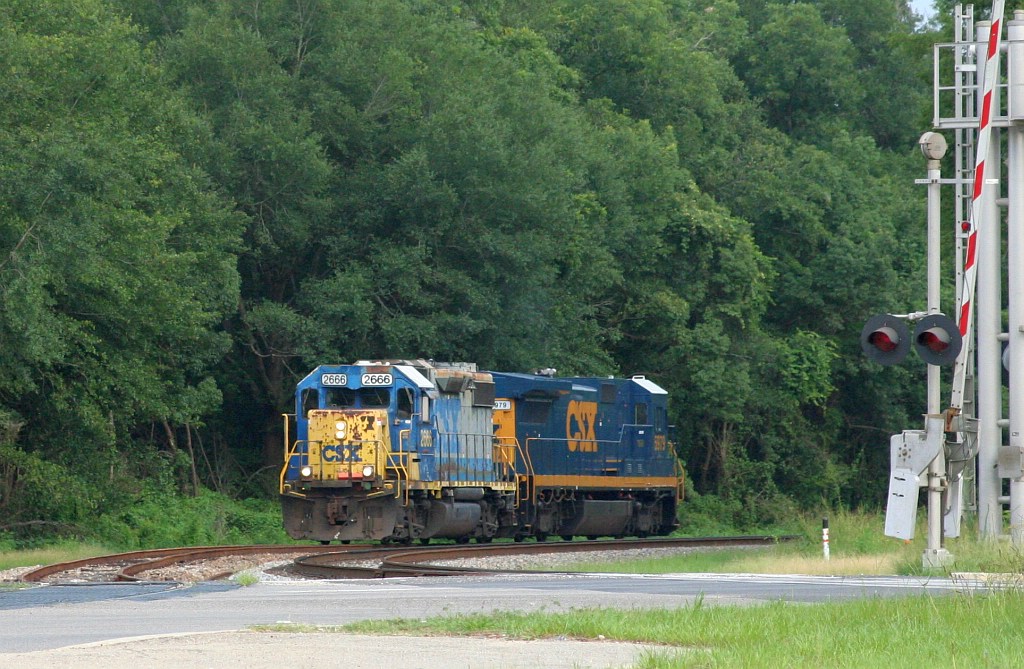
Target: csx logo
[(338, 453), (579, 426)]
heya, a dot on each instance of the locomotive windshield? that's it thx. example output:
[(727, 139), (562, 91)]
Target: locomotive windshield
[(339, 398), (363, 398)]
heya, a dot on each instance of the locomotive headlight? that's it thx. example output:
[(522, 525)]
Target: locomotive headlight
[(341, 428), (306, 472), (367, 471)]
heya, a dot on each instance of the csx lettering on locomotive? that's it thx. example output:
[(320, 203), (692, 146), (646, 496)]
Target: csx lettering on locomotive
[(580, 421), (337, 453)]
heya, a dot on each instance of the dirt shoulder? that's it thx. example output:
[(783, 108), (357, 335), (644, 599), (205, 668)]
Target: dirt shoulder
[(271, 650)]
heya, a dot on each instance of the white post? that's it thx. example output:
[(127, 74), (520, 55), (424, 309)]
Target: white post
[(933, 146), (989, 325), (1015, 268), (824, 538)]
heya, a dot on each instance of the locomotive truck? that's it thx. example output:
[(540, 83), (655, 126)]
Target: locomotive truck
[(403, 450)]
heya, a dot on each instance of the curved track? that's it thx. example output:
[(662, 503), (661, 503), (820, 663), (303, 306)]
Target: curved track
[(357, 561), (392, 562), (127, 567)]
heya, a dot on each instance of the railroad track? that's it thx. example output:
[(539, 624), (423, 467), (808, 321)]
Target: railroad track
[(356, 561), (406, 562), (129, 567)]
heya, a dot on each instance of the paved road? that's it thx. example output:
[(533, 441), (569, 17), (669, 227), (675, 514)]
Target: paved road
[(51, 617)]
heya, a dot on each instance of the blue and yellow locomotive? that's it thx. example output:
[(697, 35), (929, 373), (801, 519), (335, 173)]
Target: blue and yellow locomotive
[(401, 450)]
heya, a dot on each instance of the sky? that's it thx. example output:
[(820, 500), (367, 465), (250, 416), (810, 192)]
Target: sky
[(923, 7)]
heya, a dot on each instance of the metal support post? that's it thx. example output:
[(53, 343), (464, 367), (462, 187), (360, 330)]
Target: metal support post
[(989, 325), (933, 145), (1012, 456)]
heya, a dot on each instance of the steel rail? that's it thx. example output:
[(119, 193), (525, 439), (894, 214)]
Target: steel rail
[(333, 562), (417, 561), (133, 563)]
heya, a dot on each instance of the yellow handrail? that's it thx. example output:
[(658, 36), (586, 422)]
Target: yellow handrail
[(400, 468), (287, 453), (681, 475)]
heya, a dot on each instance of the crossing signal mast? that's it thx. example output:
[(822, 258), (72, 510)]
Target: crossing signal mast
[(966, 439)]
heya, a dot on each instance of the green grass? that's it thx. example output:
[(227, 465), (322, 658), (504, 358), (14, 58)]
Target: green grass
[(857, 546), (209, 519), (62, 552), (953, 631), (246, 578)]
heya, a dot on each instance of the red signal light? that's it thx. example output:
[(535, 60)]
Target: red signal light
[(937, 339), (933, 342), (885, 339)]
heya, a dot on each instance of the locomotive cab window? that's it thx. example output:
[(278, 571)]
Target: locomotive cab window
[(405, 403), (608, 393), (374, 398), (640, 414), (339, 398), (310, 400)]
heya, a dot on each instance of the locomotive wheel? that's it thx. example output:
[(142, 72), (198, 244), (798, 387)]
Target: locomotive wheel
[(518, 538), (591, 537), (325, 542), (541, 537), (462, 540), (425, 541), (566, 537), (484, 540)]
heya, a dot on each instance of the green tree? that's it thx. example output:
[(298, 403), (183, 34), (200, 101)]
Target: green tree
[(116, 261), (803, 70)]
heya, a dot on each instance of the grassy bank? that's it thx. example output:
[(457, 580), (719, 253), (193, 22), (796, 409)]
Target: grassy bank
[(954, 631), (61, 552), (857, 546), (154, 521)]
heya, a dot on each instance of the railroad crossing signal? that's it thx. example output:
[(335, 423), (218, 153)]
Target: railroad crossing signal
[(886, 339)]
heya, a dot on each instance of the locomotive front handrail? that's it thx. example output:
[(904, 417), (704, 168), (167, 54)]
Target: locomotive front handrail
[(287, 453), (400, 468), (681, 477), (513, 442)]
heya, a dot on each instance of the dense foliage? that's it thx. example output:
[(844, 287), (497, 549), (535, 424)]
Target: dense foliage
[(200, 201)]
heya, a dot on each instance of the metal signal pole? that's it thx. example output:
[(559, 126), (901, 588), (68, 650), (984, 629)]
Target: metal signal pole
[(967, 438)]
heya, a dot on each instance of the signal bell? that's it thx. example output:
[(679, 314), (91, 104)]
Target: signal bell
[(937, 339), (885, 339)]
